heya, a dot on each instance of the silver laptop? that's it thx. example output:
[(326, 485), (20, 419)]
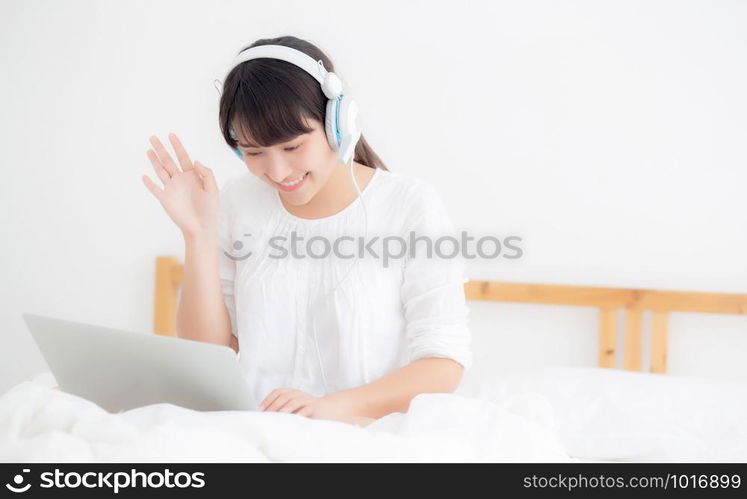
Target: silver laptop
[(121, 370)]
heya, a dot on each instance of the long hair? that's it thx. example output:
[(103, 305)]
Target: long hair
[(268, 100)]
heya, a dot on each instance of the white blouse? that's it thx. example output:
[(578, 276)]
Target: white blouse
[(383, 314)]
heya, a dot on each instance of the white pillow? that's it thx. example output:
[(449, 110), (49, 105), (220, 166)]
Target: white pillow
[(612, 414)]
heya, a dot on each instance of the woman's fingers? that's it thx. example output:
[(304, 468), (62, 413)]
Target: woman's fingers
[(293, 405), (301, 407), (152, 187), (305, 411), (279, 402), (163, 155), (272, 397), (181, 152), (160, 171)]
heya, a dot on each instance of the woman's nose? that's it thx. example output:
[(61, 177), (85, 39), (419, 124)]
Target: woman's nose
[(278, 171)]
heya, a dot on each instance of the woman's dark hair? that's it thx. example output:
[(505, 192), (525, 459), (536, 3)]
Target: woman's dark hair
[(268, 100)]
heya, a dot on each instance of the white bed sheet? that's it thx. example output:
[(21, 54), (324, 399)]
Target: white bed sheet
[(41, 424), (555, 414), (613, 415)]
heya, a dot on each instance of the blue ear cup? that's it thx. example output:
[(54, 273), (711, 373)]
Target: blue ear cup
[(332, 123), (232, 133)]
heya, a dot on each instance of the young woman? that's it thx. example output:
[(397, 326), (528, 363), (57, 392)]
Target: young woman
[(350, 335)]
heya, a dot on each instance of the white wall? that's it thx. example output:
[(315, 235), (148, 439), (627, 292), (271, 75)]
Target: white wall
[(610, 136)]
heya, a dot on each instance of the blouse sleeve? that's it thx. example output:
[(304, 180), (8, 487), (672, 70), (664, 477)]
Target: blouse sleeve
[(432, 290), (226, 266)]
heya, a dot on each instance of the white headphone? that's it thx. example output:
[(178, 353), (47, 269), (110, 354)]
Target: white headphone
[(341, 118)]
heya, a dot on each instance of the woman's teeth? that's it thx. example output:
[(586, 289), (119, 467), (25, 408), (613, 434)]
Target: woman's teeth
[(291, 184)]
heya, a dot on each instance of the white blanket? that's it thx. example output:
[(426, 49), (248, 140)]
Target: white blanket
[(41, 424)]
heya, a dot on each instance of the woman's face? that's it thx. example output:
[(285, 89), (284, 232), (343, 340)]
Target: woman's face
[(308, 158)]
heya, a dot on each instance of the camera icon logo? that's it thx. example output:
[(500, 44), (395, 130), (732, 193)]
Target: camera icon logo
[(18, 480), (238, 246)]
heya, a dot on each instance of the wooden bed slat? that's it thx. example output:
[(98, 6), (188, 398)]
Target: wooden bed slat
[(550, 294), (168, 269), (681, 301), (659, 326), (633, 339), (607, 337)]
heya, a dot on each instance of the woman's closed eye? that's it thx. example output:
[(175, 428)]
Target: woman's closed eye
[(285, 149)]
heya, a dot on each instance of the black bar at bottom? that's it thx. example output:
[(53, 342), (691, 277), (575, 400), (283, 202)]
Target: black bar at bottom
[(459, 479)]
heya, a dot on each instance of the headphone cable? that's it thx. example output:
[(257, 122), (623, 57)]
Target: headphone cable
[(365, 234)]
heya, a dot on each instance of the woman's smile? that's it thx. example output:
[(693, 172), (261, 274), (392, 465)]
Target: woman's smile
[(293, 185)]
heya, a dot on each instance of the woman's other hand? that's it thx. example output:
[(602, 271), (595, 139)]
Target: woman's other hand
[(333, 407), (190, 194)]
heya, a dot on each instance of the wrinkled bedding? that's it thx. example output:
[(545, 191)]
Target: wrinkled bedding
[(41, 424)]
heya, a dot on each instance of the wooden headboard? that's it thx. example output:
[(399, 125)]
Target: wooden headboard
[(170, 272)]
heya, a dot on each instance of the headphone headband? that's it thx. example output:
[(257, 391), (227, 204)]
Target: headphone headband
[(330, 82)]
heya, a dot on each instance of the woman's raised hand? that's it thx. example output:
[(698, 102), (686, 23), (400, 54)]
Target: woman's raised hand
[(190, 194)]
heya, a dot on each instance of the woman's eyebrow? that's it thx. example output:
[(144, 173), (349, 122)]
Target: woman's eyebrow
[(285, 142)]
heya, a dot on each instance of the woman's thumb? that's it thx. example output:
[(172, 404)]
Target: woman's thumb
[(206, 174)]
